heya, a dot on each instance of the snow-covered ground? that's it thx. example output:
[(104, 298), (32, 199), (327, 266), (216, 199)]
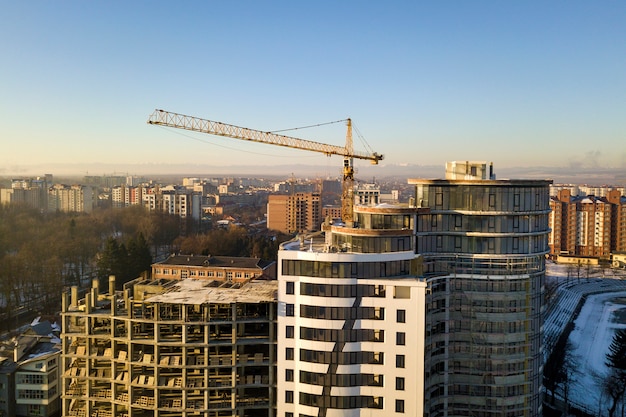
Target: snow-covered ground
[(603, 312)]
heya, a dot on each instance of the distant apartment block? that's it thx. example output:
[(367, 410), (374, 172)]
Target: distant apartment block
[(30, 192), (71, 198), (175, 200), (296, 212), (367, 194), (584, 190), (588, 225), (331, 212), (164, 348), (220, 268), (105, 181), (124, 196)]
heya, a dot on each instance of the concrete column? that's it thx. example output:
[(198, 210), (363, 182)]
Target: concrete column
[(74, 296)]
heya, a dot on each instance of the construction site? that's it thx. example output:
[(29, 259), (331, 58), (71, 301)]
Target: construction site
[(170, 348)]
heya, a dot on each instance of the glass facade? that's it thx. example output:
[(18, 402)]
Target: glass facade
[(484, 244)]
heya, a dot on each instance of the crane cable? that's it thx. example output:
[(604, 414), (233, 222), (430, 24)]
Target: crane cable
[(307, 127), (360, 136)]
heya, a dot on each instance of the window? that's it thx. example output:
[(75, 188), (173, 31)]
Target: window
[(399, 406), (35, 410), (289, 310), (401, 316), (290, 287), (399, 361), (289, 354), (400, 338), (288, 374), (289, 397), (402, 292), (458, 221), (400, 383), (289, 331)]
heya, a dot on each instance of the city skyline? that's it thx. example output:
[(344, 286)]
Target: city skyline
[(521, 84)]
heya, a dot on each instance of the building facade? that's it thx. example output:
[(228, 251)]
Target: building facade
[(30, 373), (220, 268), (170, 348), (296, 212), (587, 225), (351, 319), (484, 243), (29, 192), (70, 198)]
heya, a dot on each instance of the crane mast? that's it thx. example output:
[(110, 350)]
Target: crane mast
[(180, 121)]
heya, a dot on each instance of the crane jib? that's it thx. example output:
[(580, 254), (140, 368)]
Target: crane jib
[(176, 120), (180, 121)]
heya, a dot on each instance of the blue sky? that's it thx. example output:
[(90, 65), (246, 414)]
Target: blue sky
[(522, 84)]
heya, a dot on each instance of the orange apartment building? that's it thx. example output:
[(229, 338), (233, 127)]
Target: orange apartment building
[(214, 268), (587, 225), (297, 212)]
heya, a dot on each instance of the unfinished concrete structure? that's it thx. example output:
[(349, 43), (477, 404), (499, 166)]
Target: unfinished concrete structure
[(170, 348)]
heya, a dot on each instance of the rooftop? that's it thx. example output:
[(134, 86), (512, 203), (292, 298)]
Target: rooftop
[(191, 291), (215, 261)]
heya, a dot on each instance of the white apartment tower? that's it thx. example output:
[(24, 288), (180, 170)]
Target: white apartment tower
[(351, 319)]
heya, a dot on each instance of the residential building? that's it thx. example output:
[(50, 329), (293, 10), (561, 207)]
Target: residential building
[(29, 192), (587, 225), (367, 194), (331, 212), (220, 268), (562, 223), (296, 212), (70, 198), (618, 221), (37, 389), (351, 319), (164, 348), (7, 386), (126, 195), (484, 243), (29, 378)]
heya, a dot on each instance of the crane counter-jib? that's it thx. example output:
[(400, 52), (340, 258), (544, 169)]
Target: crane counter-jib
[(176, 120)]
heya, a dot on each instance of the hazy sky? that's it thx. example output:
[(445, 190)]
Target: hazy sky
[(520, 83)]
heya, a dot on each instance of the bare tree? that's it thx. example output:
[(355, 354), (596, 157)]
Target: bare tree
[(615, 383)]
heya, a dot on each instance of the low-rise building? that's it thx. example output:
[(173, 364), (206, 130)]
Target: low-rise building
[(221, 268), (29, 379)]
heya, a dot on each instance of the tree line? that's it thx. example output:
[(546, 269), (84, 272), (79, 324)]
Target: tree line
[(43, 253)]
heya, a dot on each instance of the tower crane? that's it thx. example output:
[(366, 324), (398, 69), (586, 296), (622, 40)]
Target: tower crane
[(181, 121)]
